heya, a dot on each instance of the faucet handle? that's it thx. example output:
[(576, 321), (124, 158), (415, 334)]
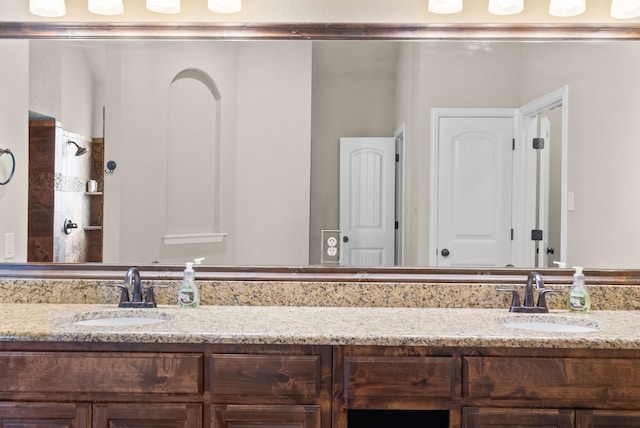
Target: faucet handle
[(542, 301), (149, 297), (515, 300), (124, 295)]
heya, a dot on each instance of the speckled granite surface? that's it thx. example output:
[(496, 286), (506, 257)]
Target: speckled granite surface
[(233, 293), (314, 313), (317, 325)]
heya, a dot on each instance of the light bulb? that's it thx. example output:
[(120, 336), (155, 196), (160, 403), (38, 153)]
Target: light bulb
[(225, 6), (506, 7), (445, 6), (106, 7), (48, 8), (625, 9), (567, 7), (164, 6)]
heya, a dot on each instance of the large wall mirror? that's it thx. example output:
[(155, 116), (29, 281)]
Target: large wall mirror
[(231, 149)]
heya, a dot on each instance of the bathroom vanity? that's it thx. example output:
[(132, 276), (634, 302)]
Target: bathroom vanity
[(235, 366)]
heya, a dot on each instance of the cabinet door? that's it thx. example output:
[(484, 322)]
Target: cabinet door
[(607, 418), (145, 415), (501, 418), (45, 415), (266, 416)]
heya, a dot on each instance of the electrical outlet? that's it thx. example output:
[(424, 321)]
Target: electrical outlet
[(9, 251), (330, 246)]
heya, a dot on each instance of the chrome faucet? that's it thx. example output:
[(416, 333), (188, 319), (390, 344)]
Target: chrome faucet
[(132, 277), (528, 306), (528, 291)]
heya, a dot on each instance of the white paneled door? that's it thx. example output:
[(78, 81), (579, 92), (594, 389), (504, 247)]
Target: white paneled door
[(367, 201), (474, 191)]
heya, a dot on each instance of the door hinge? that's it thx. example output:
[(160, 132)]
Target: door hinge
[(536, 235), (512, 234), (397, 157), (397, 225), (538, 143), (513, 144)]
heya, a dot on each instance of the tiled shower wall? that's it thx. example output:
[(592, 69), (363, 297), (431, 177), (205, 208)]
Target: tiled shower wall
[(57, 184)]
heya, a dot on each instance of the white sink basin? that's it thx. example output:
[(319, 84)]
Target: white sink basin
[(121, 318), (550, 323)]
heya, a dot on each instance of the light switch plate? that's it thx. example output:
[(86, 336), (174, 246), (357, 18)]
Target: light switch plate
[(571, 201), (9, 243)]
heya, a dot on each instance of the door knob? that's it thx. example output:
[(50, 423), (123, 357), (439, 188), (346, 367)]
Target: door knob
[(444, 252), (345, 239)]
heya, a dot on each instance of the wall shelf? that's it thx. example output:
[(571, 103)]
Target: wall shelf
[(193, 238)]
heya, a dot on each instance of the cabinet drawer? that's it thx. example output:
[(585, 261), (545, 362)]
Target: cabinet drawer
[(607, 418), (101, 372), (534, 418), (399, 377), (265, 375), (257, 416), (597, 379)]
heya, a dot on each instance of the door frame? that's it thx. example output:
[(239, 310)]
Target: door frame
[(400, 137), (523, 249), (555, 99)]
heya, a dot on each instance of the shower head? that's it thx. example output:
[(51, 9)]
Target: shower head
[(80, 150)]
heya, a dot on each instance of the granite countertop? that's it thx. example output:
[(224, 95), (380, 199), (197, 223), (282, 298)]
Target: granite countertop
[(456, 327)]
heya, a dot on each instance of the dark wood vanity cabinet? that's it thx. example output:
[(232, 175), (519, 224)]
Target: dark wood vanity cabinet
[(489, 388), (18, 414), (421, 386), (577, 389), (287, 389), (488, 417), (82, 385), (164, 386)]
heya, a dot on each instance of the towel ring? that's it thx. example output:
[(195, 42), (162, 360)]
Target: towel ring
[(13, 165)]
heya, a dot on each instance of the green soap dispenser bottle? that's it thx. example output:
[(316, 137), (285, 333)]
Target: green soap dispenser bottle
[(188, 296), (579, 299)]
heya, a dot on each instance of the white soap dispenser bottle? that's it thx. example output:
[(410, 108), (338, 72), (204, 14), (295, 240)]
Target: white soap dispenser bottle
[(188, 296), (579, 299)]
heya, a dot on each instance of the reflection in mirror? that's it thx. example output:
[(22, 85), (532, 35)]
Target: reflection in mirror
[(7, 165), (268, 178)]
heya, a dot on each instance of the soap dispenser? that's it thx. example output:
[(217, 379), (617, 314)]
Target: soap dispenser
[(579, 299), (188, 296)]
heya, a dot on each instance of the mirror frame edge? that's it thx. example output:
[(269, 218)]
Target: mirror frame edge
[(308, 274), (316, 31)]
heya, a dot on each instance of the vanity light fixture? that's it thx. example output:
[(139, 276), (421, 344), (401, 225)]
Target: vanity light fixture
[(106, 7), (47, 8), (567, 7), (164, 6), (625, 9), (505, 7), (443, 6), (225, 6)]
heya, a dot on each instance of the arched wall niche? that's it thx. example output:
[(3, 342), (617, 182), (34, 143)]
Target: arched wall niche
[(194, 124)]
